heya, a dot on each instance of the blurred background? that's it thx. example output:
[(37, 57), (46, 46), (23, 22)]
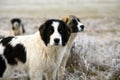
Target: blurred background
[(95, 54), (41, 8)]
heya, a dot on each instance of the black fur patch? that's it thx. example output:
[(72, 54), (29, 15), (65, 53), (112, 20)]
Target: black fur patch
[(46, 30), (2, 66), (14, 54), (6, 40), (73, 24), (15, 20), (64, 30)]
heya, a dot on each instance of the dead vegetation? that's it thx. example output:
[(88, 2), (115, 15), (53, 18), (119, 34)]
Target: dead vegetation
[(95, 54)]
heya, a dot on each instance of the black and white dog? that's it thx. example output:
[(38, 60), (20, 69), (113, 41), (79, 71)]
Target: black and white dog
[(39, 54), (17, 28), (76, 26)]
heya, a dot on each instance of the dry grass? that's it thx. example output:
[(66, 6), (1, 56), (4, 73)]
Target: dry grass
[(95, 55), (96, 52)]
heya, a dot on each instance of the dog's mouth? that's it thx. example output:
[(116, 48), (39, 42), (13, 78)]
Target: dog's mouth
[(81, 30), (57, 44), (57, 41)]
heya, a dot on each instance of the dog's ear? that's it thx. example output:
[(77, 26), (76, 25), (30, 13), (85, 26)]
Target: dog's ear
[(23, 29), (12, 21), (65, 19), (13, 28), (68, 33), (41, 30)]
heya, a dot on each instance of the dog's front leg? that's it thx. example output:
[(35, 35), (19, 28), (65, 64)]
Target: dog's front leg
[(35, 75), (61, 70), (51, 75)]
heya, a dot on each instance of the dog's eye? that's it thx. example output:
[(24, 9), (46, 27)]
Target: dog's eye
[(60, 30), (74, 20), (50, 31)]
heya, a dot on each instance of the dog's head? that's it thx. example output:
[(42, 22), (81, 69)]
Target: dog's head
[(54, 32), (17, 26), (74, 23)]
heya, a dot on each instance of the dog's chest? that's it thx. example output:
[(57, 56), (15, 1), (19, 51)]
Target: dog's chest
[(53, 57)]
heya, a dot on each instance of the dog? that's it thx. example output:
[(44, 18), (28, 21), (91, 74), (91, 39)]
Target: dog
[(76, 26), (17, 28), (39, 54)]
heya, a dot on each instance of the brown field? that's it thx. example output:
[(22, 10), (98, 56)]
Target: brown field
[(96, 50)]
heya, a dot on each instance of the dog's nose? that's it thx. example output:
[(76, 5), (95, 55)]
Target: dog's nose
[(82, 27), (56, 40)]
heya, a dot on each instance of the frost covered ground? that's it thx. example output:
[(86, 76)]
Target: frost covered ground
[(98, 48), (95, 54)]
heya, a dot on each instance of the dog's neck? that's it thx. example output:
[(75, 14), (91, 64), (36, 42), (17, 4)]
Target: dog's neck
[(72, 37), (71, 40)]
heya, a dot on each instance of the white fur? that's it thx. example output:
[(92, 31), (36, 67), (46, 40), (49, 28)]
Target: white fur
[(79, 24), (1, 48), (55, 34), (41, 59), (16, 24)]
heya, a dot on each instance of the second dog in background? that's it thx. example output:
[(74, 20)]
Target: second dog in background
[(17, 26), (16, 29), (76, 26)]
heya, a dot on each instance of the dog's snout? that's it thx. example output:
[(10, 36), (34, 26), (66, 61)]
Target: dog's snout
[(82, 27), (56, 40)]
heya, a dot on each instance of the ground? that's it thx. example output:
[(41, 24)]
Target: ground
[(95, 55)]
